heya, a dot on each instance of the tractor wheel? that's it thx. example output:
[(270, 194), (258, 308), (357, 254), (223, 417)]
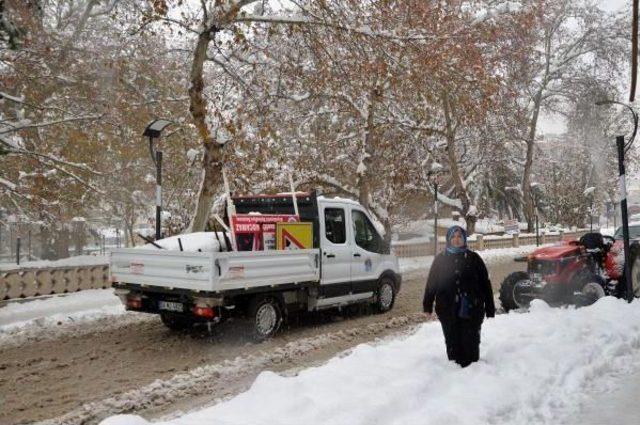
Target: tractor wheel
[(635, 274), (589, 288), (510, 292)]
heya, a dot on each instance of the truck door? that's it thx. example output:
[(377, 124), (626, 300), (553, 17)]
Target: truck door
[(366, 249), (336, 252)]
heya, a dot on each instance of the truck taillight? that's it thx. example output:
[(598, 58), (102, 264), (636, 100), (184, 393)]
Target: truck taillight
[(206, 312), (134, 303)]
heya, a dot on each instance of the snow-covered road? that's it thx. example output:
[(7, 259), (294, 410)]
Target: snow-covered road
[(62, 354), (537, 368)]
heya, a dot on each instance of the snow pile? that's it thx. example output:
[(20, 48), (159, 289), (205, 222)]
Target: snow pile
[(79, 260), (535, 368), (198, 241), (490, 257), (411, 264), (59, 308)]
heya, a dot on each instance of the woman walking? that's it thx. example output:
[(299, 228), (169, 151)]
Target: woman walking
[(459, 284)]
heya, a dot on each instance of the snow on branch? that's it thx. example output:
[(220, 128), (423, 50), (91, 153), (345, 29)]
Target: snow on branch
[(58, 161), (486, 14), (108, 8), (13, 127), (442, 197), (15, 99), (302, 20), (6, 183)]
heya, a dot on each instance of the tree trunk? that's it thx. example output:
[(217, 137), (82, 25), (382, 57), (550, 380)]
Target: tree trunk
[(209, 186), (62, 243), (364, 177), (212, 164), (456, 176), (527, 201), (471, 224)]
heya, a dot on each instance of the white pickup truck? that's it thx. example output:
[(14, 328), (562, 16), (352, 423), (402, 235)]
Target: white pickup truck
[(349, 263)]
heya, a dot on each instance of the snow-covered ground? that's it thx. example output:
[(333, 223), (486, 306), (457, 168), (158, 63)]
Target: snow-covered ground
[(60, 308), (539, 367), (24, 319)]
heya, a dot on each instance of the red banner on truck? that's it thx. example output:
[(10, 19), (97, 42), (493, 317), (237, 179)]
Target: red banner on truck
[(257, 232)]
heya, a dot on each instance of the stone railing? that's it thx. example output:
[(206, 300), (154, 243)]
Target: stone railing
[(30, 282), (480, 242)]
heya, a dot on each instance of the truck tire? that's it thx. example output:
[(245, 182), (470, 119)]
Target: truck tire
[(386, 295), (176, 322), (266, 313), (507, 291)]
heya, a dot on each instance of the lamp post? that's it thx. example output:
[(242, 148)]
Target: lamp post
[(622, 148), (153, 131), (433, 172), (534, 199)]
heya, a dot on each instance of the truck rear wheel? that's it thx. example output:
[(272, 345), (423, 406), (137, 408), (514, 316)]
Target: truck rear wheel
[(176, 322), (267, 317)]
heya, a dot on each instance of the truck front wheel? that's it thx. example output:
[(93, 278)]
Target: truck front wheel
[(386, 295), (267, 317), (176, 322)]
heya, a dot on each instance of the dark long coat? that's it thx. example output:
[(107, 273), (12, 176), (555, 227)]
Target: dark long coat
[(453, 274), (450, 277)]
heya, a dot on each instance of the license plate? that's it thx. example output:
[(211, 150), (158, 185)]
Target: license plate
[(170, 306)]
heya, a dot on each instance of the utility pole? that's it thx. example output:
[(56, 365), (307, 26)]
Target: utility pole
[(435, 221), (621, 147), (158, 195), (625, 219)]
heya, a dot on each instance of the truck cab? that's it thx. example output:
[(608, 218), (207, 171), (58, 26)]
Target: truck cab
[(354, 254)]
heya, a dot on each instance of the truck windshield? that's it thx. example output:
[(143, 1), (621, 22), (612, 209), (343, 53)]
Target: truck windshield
[(365, 234)]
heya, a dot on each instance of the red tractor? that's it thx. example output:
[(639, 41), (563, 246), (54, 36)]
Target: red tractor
[(573, 272)]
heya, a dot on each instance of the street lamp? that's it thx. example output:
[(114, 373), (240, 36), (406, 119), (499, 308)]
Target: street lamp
[(622, 148), (589, 192), (534, 198), (153, 131), (436, 168)]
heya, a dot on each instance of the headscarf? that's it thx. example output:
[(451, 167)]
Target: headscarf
[(453, 249)]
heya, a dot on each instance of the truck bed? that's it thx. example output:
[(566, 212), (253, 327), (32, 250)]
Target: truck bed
[(214, 271)]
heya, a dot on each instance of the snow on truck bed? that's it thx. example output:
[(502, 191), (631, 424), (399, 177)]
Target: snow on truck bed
[(536, 368), (198, 241)]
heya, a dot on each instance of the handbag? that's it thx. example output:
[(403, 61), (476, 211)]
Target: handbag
[(465, 306)]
